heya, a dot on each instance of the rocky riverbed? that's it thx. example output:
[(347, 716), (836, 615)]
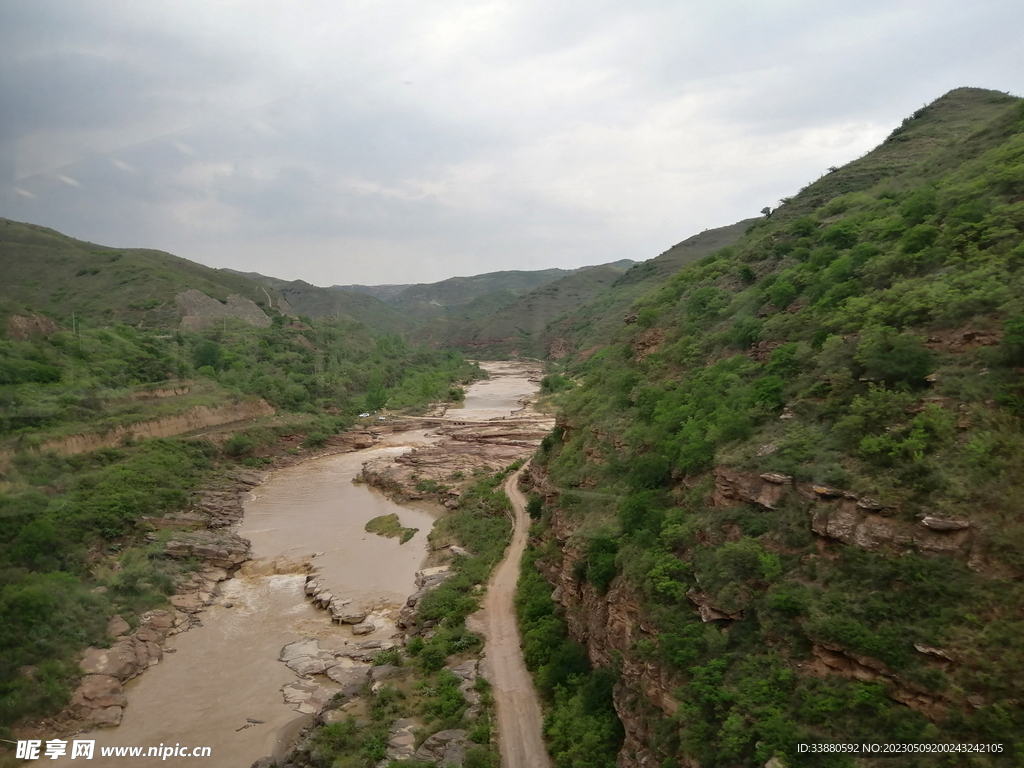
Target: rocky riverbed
[(495, 426)]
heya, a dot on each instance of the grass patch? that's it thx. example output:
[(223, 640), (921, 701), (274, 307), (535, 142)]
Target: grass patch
[(390, 527)]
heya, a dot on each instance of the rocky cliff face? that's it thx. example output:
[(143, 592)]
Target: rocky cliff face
[(618, 634), (613, 627)]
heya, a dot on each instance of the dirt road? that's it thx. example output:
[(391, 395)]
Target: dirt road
[(519, 715)]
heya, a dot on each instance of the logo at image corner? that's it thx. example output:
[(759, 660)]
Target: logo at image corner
[(34, 749)]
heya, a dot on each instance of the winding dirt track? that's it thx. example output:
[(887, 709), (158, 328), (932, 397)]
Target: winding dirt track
[(519, 716)]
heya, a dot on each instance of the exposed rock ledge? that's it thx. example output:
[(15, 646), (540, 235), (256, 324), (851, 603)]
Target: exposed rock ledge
[(199, 417), (99, 700), (859, 521), (832, 659), (613, 627)]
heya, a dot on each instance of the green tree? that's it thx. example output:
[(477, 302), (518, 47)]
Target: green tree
[(897, 359), (208, 352)]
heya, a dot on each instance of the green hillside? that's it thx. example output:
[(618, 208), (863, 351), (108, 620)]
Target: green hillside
[(517, 328), (590, 324), (382, 292), (797, 467), (315, 302), (430, 300), (58, 275), (480, 312), (574, 313)]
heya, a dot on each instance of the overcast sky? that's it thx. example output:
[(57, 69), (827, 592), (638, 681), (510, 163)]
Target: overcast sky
[(395, 141)]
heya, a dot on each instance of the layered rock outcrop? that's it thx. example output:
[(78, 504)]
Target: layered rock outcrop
[(613, 627), (463, 451), (617, 633), (852, 519), (99, 700), (221, 549)]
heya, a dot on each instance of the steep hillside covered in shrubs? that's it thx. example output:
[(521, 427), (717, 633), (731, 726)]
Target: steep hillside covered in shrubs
[(784, 503)]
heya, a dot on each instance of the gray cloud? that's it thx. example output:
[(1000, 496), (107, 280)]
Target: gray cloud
[(401, 140)]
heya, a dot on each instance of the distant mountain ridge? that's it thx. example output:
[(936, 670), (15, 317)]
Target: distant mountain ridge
[(313, 301), (519, 326), (446, 310), (61, 276), (464, 289)]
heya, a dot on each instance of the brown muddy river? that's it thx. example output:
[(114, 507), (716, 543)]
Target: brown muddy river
[(226, 671), (498, 397)]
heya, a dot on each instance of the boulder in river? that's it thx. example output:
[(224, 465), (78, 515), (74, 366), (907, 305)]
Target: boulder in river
[(308, 697), (306, 657)]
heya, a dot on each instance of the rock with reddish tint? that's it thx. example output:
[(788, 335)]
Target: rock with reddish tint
[(733, 487), (118, 626), (160, 620), (98, 701), (120, 661)]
